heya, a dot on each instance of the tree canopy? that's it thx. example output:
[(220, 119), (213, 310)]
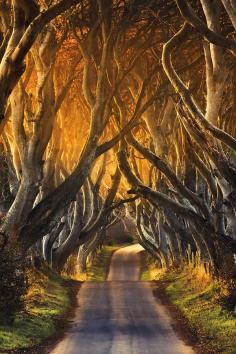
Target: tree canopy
[(118, 110)]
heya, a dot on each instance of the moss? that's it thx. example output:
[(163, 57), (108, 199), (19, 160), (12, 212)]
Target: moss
[(98, 268), (46, 300), (150, 268), (200, 304), (198, 297)]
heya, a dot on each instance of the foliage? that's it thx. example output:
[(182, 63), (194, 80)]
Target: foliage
[(13, 284), (47, 298), (98, 267), (150, 269), (69, 268), (121, 123), (200, 301), (200, 298)]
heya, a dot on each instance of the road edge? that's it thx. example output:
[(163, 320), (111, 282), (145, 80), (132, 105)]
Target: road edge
[(179, 321)]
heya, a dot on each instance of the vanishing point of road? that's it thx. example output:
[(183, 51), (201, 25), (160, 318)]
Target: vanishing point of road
[(121, 315)]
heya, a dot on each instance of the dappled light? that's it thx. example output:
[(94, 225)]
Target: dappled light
[(117, 128)]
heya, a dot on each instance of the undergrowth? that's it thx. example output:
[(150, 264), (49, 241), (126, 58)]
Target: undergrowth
[(201, 300), (46, 299)]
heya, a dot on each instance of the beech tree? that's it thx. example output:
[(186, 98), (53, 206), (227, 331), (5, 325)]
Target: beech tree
[(37, 206), (116, 110), (210, 213)]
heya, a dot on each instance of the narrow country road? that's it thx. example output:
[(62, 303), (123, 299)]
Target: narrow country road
[(121, 316)]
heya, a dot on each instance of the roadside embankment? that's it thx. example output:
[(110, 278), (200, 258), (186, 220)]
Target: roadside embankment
[(197, 300), (49, 304)]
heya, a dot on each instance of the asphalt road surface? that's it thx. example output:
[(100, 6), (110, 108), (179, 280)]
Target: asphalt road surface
[(121, 316)]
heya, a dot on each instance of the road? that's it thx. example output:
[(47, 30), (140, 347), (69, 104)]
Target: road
[(121, 316)]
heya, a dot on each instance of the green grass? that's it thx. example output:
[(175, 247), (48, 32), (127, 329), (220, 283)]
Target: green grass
[(97, 270), (200, 304), (198, 297), (46, 300), (151, 270)]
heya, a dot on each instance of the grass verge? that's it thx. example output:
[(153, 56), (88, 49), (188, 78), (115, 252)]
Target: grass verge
[(199, 298), (98, 269), (150, 270), (48, 298)]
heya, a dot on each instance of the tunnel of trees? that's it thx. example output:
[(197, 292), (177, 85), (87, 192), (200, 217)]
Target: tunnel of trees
[(116, 110)]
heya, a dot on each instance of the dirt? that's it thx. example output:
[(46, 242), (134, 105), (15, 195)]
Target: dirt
[(181, 324), (108, 265), (121, 315), (143, 263), (62, 323)]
